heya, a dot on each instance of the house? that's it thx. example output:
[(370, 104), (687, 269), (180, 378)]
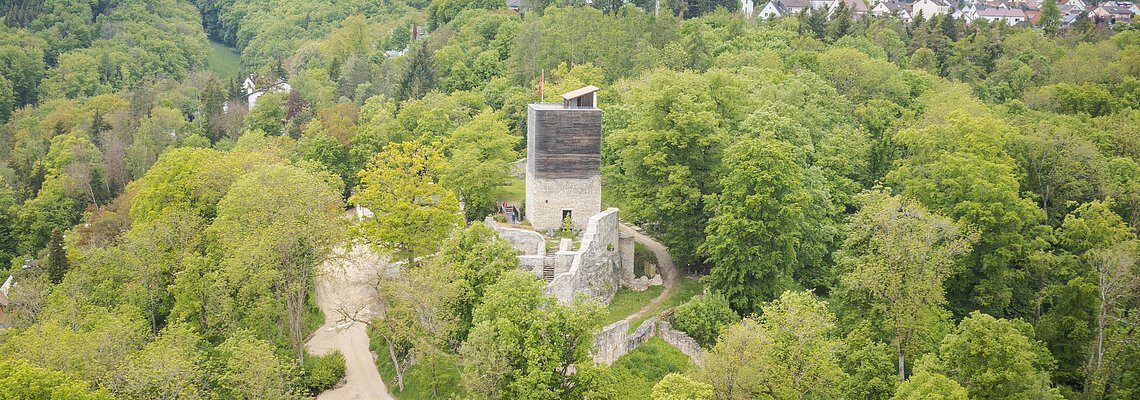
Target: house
[(780, 8), (1033, 16), (887, 9), (514, 5), (858, 8), (255, 86), (1071, 10), (1009, 16), (822, 4), (930, 8), (747, 7), (1075, 3), (1112, 14), (7, 286), (968, 13)]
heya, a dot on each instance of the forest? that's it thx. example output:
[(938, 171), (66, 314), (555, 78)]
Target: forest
[(874, 210)]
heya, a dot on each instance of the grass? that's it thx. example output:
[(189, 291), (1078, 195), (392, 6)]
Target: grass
[(223, 60), (643, 367), (686, 289), (513, 191), (627, 302), (418, 379)]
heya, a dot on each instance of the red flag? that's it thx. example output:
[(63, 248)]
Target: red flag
[(541, 80)]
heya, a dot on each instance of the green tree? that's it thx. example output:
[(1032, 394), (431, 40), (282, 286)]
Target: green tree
[(56, 262), (900, 254), (268, 115), (419, 77), (680, 387), (960, 168), (477, 256), (993, 359), (930, 386), (764, 225), (512, 351), (419, 308), (1050, 17), (248, 369), (20, 379), (788, 353), (664, 162), (703, 317), (413, 212), (171, 366), (480, 152), (275, 226)]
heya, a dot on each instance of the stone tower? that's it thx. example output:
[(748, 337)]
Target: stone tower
[(564, 153)]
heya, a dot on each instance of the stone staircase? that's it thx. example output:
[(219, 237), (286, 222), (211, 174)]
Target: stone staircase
[(548, 273)]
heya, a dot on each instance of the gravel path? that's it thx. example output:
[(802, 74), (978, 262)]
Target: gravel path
[(347, 285), (664, 266)]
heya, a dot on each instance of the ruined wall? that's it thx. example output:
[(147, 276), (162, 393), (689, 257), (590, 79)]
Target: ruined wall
[(680, 340), (613, 341), (625, 246), (529, 242), (595, 269)]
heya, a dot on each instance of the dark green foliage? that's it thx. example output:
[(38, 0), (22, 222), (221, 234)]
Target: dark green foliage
[(56, 261), (419, 78), (703, 317)]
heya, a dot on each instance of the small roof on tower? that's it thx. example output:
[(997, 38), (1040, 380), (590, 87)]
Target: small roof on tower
[(579, 92), (583, 97)]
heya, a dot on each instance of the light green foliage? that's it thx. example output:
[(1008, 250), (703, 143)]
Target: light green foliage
[(480, 152), (765, 225), (275, 226), (703, 317), (320, 373), (171, 366), (268, 114), (994, 359), (20, 379), (871, 366), (476, 257), (680, 387), (789, 352), (901, 254), (247, 368), (933, 386), (639, 370), (510, 353), (413, 211), (93, 349)]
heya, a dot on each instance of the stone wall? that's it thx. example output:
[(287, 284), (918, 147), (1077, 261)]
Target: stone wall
[(680, 340), (610, 343), (613, 341), (529, 242), (595, 268), (625, 244)]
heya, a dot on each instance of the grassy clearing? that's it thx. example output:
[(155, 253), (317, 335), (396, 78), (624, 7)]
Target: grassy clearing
[(513, 191), (418, 380), (223, 60), (627, 302), (686, 289), (643, 367)]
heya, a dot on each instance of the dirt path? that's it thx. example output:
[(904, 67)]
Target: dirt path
[(347, 285), (664, 266)]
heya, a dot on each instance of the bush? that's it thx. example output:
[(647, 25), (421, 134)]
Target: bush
[(703, 317), (321, 373)]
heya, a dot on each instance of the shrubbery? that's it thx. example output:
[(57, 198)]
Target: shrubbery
[(703, 317), (321, 373)]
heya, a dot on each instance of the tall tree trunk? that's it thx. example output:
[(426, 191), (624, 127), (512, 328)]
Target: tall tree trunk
[(395, 364)]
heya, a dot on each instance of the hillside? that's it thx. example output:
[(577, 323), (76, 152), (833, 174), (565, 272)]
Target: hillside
[(880, 206)]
